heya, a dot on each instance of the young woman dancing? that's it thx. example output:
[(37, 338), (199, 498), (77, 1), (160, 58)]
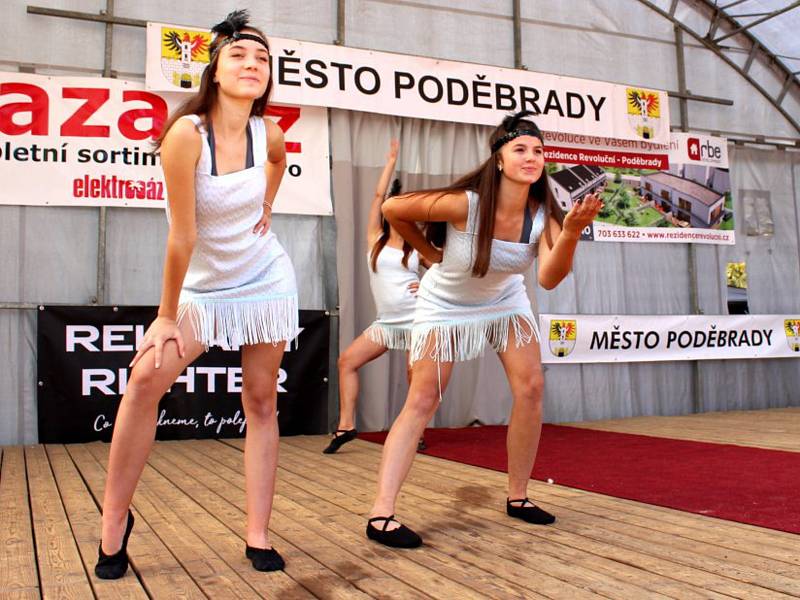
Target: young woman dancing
[(227, 281), (393, 279), (492, 219)]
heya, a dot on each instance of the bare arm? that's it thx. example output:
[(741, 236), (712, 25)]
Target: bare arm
[(179, 155), (274, 168), (374, 218), (404, 212), (180, 152), (556, 262)]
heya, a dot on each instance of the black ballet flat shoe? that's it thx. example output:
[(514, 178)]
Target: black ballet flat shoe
[(265, 559), (340, 438), (421, 445), (530, 514), (402, 537), (114, 566)]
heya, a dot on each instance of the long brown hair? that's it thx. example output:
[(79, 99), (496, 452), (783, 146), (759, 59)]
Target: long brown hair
[(380, 243), (485, 181), (204, 101)]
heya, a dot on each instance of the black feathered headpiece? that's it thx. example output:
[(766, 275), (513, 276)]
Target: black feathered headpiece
[(513, 129), (231, 30)]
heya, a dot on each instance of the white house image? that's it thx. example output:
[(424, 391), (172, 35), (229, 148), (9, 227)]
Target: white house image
[(574, 182), (715, 178), (687, 200)]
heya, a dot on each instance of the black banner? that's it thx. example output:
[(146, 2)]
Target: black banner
[(83, 356)]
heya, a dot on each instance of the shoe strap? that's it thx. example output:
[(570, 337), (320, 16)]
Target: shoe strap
[(522, 502), (342, 431), (386, 521)]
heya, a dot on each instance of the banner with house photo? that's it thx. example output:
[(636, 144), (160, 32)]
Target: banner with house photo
[(680, 192)]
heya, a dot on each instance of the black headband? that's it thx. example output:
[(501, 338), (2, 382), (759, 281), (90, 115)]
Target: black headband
[(238, 35), (231, 29), (515, 126), (513, 135)]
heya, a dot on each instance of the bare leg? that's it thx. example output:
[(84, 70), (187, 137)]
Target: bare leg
[(357, 354), (401, 444), (524, 371), (260, 364), (135, 430), (421, 444)]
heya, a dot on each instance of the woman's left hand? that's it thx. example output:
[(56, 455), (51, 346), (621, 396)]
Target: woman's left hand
[(583, 212), (413, 287), (264, 223)]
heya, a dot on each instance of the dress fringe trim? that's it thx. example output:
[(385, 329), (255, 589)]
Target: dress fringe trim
[(465, 340), (233, 323), (393, 338)]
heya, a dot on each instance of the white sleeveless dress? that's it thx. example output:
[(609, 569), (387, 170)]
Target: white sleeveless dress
[(393, 300), (240, 287), (457, 314)]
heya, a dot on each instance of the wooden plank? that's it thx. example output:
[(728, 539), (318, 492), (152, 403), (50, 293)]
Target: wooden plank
[(773, 429), (18, 575), (83, 516), (61, 570), (768, 542), (20, 593), (470, 551), (610, 562), (321, 565), (208, 550), (729, 534), (430, 572), (152, 562), (578, 524)]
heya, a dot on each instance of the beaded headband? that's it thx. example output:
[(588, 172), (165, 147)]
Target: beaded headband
[(231, 30), (510, 125)]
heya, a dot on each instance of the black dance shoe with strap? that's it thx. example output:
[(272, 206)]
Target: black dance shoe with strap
[(265, 559), (527, 511), (340, 438), (114, 566), (402, 537)]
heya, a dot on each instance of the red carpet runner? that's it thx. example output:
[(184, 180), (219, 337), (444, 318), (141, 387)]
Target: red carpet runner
[(737, 483)]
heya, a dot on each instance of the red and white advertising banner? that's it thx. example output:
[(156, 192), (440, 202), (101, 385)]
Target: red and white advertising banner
[(87, 141), (675, 192), (311, 74), (606, 338)]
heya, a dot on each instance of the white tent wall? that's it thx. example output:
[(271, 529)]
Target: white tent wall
[(51, 253)]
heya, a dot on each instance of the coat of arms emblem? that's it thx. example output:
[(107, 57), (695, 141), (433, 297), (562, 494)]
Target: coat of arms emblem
[(644, 112), (184, 55), (563, 334)]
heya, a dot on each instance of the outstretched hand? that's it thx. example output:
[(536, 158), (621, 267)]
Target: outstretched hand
[(583, 212), (157, 335)]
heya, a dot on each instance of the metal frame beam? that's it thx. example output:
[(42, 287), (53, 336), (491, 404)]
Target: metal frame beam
[(340, 23), (715, 48), (767, 17), (104, 17), (517, 16)]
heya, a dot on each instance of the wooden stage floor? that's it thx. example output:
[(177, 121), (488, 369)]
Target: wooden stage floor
[(190, 512)]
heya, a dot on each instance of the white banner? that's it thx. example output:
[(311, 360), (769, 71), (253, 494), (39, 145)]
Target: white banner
[(87, 141), (313, 74), (605, 338)]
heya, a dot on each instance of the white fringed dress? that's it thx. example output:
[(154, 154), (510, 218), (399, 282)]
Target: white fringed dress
[(457, 314), (393, 300), (240, 287)]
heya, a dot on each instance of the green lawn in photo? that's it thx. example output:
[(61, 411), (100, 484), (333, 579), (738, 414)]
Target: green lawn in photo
[(729, 224), (649, 217)]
